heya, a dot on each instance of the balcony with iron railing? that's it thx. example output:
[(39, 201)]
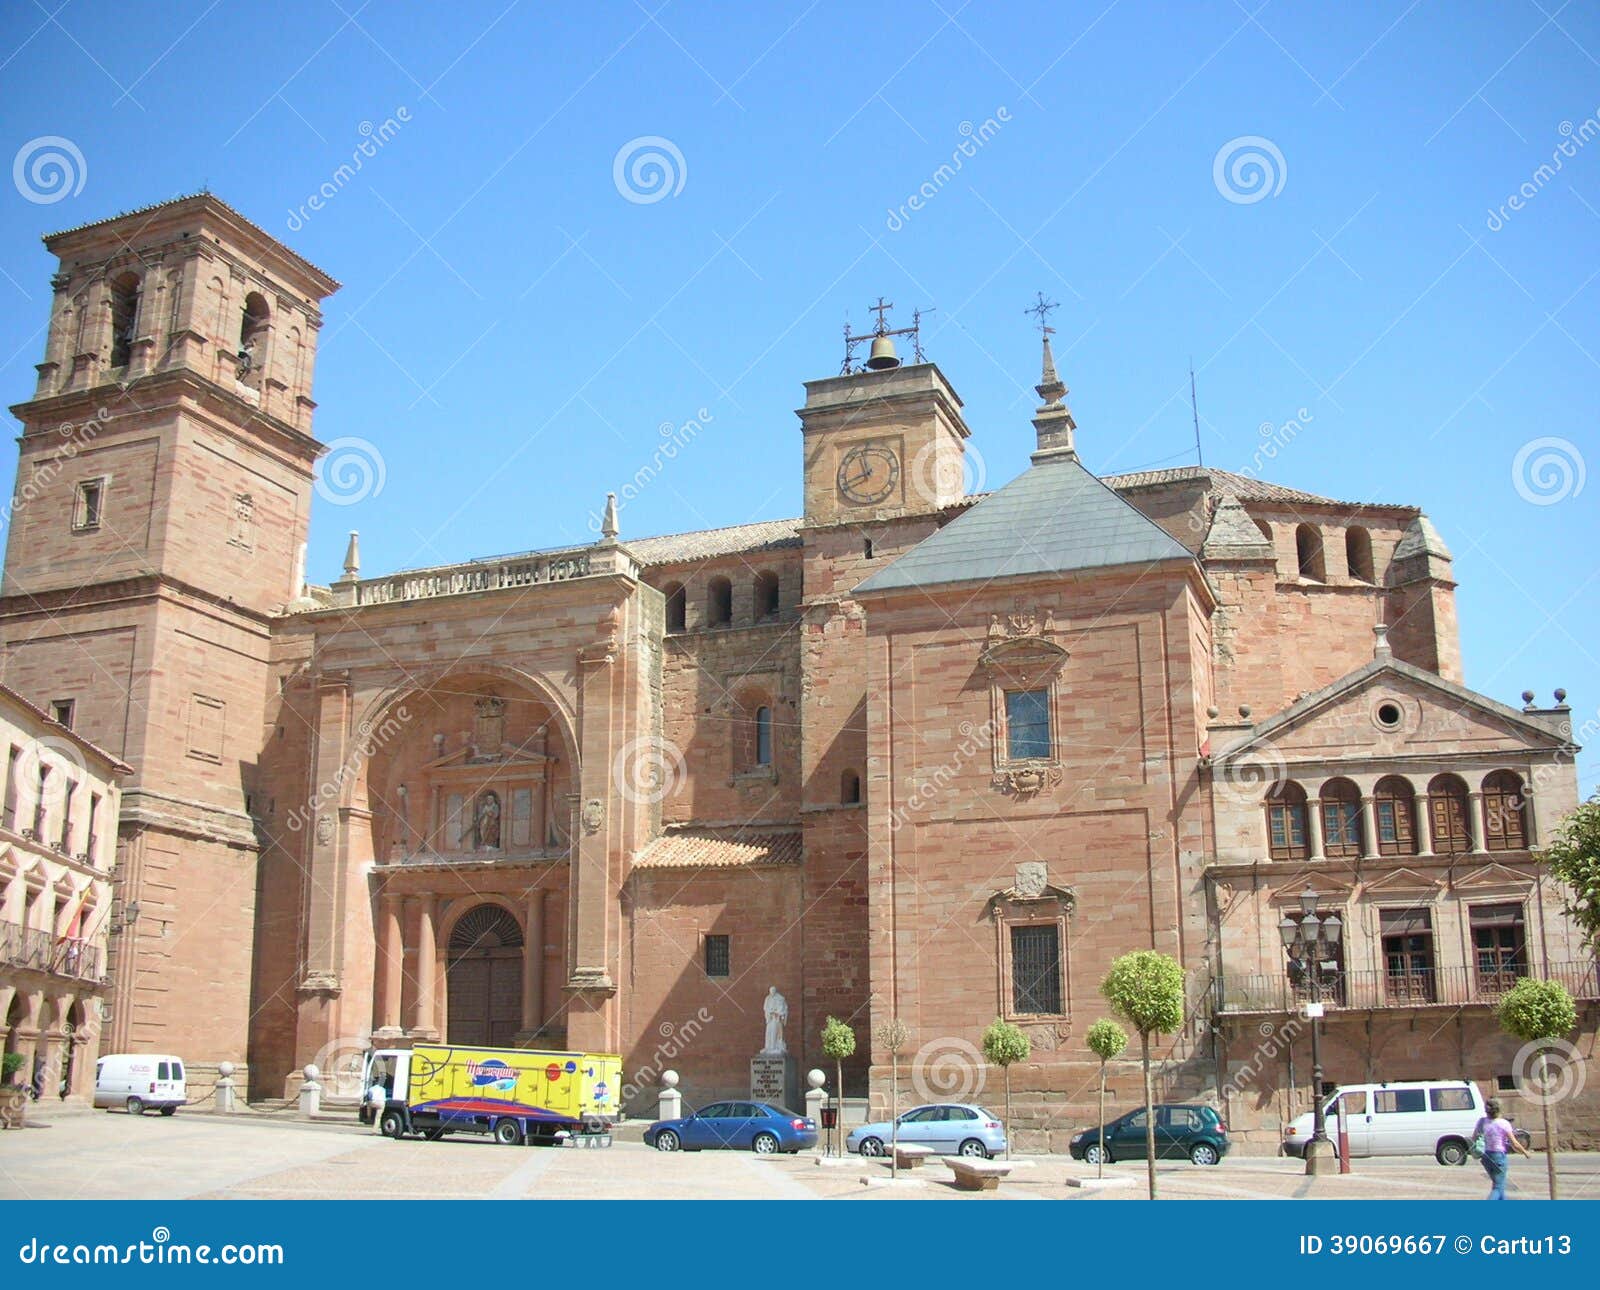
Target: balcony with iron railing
[(1453, 987), (39, 950)]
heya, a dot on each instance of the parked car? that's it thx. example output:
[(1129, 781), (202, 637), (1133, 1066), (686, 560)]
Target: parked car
[(1402, 1118), (1183, 1130), (950, 1128), (140, 1082), (735, 1126)]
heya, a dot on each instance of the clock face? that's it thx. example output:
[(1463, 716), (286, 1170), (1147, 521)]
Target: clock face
[(868, 473)]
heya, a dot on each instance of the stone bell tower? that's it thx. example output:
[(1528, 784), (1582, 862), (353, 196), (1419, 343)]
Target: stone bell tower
[(163, 493)]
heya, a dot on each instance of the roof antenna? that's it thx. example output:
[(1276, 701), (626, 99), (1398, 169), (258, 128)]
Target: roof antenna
[(1194, 407)]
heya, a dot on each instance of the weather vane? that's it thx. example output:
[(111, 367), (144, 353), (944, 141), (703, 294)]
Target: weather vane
[(1041, 310)]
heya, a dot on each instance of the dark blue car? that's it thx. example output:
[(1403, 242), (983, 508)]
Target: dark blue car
[(736, 1126)]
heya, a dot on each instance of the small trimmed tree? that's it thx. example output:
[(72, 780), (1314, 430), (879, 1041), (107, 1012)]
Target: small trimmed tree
[(1145, 989), (892, 1036), (1004, 1044), (1574, 860), (1539, 1013), (1106, 1040), (838, 1042)]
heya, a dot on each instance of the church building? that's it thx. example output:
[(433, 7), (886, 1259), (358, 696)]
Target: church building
[(914, 754)]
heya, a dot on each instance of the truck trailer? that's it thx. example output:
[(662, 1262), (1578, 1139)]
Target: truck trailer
[(513, 1094)]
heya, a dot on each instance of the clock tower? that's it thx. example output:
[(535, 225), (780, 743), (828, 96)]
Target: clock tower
[(882, 443)]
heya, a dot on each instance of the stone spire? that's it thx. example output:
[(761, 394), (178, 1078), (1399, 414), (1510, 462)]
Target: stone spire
[(1053, 422), (609, 528), (352, 558)]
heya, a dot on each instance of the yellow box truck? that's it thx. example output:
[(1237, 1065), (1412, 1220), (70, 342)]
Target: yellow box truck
[(514, 1094)]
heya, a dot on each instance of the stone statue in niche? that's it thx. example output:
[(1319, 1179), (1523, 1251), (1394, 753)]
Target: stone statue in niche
[(486, 822)]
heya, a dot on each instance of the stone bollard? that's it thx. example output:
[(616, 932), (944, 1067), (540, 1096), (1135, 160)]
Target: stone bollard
[(671, 1101), (224, 1103), (816, 1098), (311, 1093)]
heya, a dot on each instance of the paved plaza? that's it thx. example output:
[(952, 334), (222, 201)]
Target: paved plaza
[(78, 1154)]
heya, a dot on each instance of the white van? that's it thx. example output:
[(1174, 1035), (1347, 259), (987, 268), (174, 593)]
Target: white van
[(1403, 1118), (139, 1082)]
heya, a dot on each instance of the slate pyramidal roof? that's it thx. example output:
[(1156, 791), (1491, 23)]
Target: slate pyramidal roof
[(1055, 517)]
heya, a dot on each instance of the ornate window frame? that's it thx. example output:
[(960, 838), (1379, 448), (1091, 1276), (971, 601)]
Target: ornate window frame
[(1021, 653), (1032, 901)]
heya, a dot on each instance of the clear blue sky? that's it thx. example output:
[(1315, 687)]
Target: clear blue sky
[(513, 331)]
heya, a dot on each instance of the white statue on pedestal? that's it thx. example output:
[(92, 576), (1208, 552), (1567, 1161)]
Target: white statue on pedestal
[(776, 1010)]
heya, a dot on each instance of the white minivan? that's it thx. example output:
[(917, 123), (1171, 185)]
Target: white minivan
[(1402, 1118), (140, 1082)]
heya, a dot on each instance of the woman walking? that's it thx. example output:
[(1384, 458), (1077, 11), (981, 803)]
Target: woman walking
[(1498, 1137)]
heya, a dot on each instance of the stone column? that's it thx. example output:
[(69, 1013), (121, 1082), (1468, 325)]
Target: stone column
[(392, 955), (1424, 822), (1314, 828), (426, 1024), (1369, 827), (533, 965), (1475, 841)]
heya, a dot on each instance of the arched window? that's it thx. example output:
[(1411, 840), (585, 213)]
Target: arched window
[(849, 788), (1286, 822), (1395, 806), (1358, 553), (677, 606), (866, 547), (1308, 546), (1505, 813), (124, 317), (1341, 818), (1266, 530), (253, 338), (766, 595), (1447, 814), (719, 602), (763, 736)]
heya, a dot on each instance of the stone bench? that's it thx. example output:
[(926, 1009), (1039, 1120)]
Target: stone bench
[(908, 1155), (974, 1174)]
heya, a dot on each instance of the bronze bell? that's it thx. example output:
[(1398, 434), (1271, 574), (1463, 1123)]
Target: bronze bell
[(882, 357)]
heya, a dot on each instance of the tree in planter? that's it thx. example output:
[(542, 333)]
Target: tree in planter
[(1539, 1013), (1004, 1044), (1145, 989), (892, 1036), (1574, 860), (1106, 1040), (838, 1042)]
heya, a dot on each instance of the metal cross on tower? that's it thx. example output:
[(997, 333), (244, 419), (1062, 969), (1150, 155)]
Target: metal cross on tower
[(1041, 310)]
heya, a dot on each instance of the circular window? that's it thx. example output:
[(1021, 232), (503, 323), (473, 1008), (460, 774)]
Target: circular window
[(1388, 714)]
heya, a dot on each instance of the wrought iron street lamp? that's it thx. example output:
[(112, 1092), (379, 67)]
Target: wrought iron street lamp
[(1308, 942)]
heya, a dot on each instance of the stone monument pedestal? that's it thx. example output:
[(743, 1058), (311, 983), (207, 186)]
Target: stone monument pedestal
[(772, 1079)]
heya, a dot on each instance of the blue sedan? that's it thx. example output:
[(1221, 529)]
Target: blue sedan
[(736, 1126), (950, 1128)]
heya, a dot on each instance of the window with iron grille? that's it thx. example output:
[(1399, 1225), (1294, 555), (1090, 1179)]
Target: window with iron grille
[(1036, 968), (717, 957)]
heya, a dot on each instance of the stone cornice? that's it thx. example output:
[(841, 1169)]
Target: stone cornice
[(23, 604)]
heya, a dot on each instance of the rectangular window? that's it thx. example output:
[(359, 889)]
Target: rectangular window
[(717, 956), (1408, 955), (65, 841), (1499, 951), (1392, 1100), (62, 710), (1287, 823), (88, 505), (1450, 1099), (1341, 828), (1027, 725), (10, 819), (1036, 969)]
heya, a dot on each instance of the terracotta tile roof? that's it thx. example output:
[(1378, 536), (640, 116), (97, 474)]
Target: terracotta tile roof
[(706, 544), (726, 848), (1245, 487)]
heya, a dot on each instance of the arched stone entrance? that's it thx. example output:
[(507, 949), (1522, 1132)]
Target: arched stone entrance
[(484, 971)]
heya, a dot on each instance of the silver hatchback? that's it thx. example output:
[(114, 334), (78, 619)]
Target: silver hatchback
[(950, 1128)]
